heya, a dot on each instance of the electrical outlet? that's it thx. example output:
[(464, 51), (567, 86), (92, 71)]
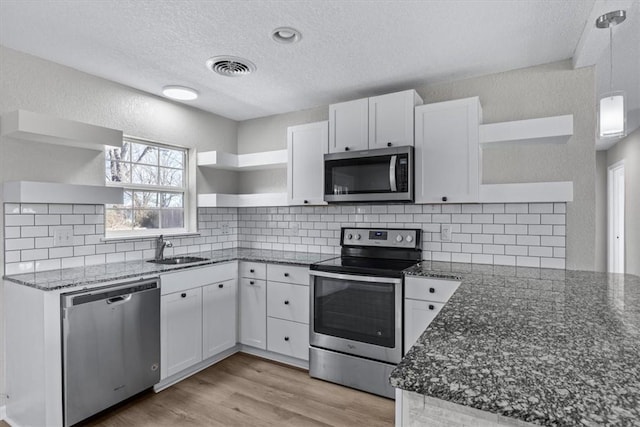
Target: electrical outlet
[(445, 232), (224, 228), (63, 237), (295, 228)]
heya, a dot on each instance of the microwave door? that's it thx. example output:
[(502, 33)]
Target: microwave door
[(392, 174)]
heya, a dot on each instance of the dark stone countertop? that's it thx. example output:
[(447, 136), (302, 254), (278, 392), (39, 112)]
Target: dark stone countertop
[(95, 274), (550, 347)]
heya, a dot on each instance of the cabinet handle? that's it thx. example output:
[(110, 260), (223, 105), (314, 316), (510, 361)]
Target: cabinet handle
[(183, 295), (252, 271), (286, 302), (221, 286), (286, 274), (286, 338), (306, 201), (389, 144), (431, 307), (251, 282), (444, 198), (346, 148), (432, 291)]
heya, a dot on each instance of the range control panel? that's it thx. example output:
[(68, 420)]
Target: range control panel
[(388, 238)]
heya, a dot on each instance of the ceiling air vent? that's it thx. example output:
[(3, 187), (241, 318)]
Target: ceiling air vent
[(230, 66)]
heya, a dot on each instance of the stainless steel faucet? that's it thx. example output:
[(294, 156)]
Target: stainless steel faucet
[(160, 245)]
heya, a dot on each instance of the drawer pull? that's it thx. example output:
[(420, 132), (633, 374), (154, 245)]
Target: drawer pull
[(183, 295), (389, 144), (221, 286), (286, 302), (252, 271), (286, 338), (432, 291), (286, 274), (251, 282), (431, 307)]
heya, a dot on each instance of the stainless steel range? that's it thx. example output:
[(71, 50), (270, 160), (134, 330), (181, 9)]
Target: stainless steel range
[(356, 308)]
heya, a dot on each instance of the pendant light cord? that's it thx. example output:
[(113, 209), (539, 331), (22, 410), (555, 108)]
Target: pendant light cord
[(610, 58)]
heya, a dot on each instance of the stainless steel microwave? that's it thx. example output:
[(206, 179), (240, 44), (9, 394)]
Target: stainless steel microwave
[(379, 175)]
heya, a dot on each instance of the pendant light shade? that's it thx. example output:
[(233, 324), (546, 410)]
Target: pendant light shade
[(611, 106)]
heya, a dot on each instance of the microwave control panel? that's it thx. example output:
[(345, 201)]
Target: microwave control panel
[(388, 238)]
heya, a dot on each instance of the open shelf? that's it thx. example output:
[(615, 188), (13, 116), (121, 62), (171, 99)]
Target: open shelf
[(551, 130), (53, 192), (527, 192), (29, 126), (241, 200), (253, 161)]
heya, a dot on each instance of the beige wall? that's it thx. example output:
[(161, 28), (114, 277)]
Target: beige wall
[(601, 211), (629, 150), (33, 84)]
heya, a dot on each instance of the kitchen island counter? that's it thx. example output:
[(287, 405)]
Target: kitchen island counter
[(547, 347)]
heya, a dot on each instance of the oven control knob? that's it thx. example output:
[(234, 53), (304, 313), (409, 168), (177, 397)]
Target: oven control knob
[(358, 237), (349, 236), (409, 239), (398, 238)]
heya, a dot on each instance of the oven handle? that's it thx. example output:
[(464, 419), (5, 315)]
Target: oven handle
[(355, 278)]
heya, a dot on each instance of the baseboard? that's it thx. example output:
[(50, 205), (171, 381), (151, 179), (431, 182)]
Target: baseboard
[(276, 357), (3, 412)]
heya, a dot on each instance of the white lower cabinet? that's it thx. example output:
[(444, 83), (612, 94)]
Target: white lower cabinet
[(288, 338), (181, 330), (253, 312), (219, 317)]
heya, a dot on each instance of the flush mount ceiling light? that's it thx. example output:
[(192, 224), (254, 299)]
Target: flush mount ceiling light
[(286, 35), (611, 108), (230, 66), (180, 93)]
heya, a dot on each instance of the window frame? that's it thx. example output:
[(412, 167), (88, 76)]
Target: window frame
[(185, 190)]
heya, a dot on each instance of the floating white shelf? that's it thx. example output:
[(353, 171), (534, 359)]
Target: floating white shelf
[(527, 192), (52, 192), (242, 200), (252, 161), (554, 130), (30, 126)]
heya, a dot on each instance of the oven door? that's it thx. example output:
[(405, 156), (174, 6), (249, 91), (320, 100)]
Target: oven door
[(357, 315)]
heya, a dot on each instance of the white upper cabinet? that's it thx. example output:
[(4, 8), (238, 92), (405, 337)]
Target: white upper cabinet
[(307, 144), (349, 126), (391, 119), (373, 122), (447, 154)]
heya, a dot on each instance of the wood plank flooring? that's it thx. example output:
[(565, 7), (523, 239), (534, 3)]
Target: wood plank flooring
[(244, 390)]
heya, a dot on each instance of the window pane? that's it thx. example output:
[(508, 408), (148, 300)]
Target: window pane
[(171, 158), (115, 153), (145, 199), (171, 177), (143, 174), (126, 201), (117, 171), (173, 218), (171, 200), (146, 219), (141, 153), (119, 219)]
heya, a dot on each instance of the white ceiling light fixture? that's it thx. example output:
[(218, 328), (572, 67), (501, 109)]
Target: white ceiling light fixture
[(231, 66), (611, 106), (180, 93), (286, 35)]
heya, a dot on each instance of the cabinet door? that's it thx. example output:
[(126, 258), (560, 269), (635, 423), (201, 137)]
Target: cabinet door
[(253, 312), (417, 316), (391, 119), (219, 324), (307, 145), (447, 152), (349, 126), (181, 331)]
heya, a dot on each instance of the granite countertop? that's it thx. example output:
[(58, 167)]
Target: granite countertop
[(550, 347), (95, 274)]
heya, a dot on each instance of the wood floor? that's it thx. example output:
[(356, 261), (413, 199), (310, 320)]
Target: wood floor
[(244, 390)]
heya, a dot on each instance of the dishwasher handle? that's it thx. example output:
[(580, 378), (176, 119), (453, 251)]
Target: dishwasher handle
[(121, 299)]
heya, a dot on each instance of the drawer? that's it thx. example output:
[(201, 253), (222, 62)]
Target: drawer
[(194, 277), (429, 289), (254, 270), (288, 274), (288, 302), (288, 338)]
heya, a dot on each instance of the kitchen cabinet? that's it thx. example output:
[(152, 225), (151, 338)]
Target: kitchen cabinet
[(253, 312), (307, 144), (181, 331), (447, 155), (376, 122), (219, 317), (424, 298)]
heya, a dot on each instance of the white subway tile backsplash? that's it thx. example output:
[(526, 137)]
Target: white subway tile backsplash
[(516, 208), (11, 208), (33, 254), (553, 219), (17, 244), (84, 209), (471, 209), (11, 232), (553, 241), (60, 209), (18, 220), (540, 208), (493, 208), (71, 219), (528, 240), (26, 208), (47, 219), (527, 261), (482, 218)]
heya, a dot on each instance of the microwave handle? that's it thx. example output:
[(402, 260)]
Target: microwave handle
[(392, 174)]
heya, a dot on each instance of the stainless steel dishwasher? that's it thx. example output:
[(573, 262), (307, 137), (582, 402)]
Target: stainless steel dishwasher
[(110, 346)]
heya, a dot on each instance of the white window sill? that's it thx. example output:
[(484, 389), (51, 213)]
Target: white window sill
[(113, 237)]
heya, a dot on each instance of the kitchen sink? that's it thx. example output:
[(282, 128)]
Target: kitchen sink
[(178, 260)]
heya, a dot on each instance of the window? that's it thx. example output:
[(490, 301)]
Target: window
[(154, 180)]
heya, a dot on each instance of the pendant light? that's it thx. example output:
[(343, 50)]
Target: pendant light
[(611, 106)]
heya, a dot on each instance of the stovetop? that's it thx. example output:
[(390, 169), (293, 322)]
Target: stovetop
[(364, 266)]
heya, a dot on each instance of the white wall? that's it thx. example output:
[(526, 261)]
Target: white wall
[(33, 84), (601, 211)]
